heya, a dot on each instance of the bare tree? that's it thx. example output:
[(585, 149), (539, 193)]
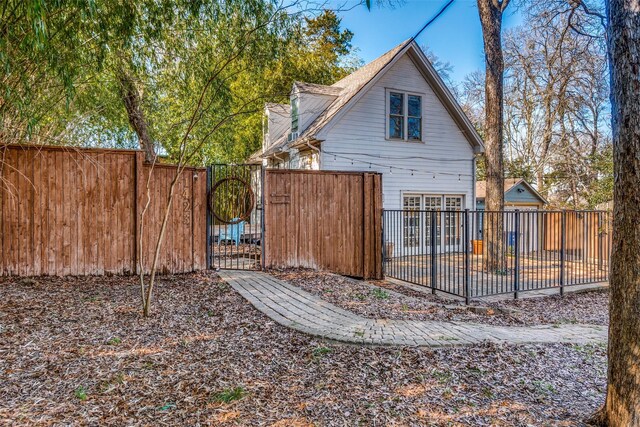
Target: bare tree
[(622, 405), (190, 146), (132, 100), (555, 96), (491, 12)]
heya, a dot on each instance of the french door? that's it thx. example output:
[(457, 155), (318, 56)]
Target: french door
[(448, 221), (452, 222)]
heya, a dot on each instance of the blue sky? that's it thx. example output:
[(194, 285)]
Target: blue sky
[(456, 37)]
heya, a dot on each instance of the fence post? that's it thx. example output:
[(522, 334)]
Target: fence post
[(263, 240), (433, 251), (600, 241), (563, 232), (516, 250), (208, 225), (467, 284)]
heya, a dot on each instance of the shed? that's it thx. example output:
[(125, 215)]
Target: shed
[(518, 194)]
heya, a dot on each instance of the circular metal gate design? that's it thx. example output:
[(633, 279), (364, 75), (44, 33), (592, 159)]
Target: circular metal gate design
[(231, 200)]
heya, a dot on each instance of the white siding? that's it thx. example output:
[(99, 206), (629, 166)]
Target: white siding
[(311, 105), (363, 130), (277, 123)]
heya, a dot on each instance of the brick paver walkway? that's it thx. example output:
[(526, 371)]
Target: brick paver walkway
[(300, 310)]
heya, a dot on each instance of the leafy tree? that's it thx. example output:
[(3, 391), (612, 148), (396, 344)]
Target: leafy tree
[(124, 74)]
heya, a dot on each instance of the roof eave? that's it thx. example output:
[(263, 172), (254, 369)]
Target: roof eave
[(305, 141), (446, 97), (321, 133), (440, 88), (530, 188)]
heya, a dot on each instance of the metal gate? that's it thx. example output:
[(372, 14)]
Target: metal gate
[(235, 217)]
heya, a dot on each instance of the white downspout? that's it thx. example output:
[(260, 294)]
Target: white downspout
[(319, 153)]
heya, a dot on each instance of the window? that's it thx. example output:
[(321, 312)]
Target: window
[(405, 116), (432, 203), (414, 118), (294, 114), (453, 220), (396, 115)]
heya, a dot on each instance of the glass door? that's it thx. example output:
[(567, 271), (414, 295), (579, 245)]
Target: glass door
[(432, 203), (411, 221), (452, 222)]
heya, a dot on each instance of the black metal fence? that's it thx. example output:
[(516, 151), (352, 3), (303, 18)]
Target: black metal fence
[(449, 251), (235, 216)]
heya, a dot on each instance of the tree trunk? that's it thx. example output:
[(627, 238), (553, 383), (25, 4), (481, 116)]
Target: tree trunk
[(132, 103), (491, 18), (622, 405)]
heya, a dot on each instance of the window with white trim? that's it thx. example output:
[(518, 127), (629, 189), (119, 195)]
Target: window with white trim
[(404, 118)]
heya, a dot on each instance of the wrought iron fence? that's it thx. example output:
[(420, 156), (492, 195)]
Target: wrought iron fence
[(235, 216), (480, 253)]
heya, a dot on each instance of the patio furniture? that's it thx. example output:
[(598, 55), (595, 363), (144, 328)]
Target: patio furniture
[(232, 232)]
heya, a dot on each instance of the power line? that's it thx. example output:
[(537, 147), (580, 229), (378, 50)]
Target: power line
[(432, 20)]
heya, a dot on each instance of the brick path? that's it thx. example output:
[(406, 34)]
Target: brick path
[(305, 312)]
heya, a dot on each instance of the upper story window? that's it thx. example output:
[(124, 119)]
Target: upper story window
[(294, 114), (405, 116)]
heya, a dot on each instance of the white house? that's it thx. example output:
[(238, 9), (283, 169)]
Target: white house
[(395, 116)]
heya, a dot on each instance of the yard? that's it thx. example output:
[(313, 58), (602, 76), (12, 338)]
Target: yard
[(76, 351)]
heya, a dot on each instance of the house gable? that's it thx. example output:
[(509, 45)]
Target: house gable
[(318, 131), (523, 193), (441, 164), (517, 192)]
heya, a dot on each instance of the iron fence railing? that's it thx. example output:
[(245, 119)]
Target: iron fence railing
[(480, 253)]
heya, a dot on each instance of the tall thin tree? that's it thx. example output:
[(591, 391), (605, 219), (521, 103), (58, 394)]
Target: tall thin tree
[(622, 405), (491, 12)]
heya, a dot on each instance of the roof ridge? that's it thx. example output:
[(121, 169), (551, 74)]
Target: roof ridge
[(385, 58)]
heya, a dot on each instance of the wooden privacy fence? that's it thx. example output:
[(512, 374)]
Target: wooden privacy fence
[(68, 211), (324, 220), (581, 233)]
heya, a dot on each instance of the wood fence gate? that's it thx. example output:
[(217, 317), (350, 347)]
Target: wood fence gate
[(324, 220), (235, 217)]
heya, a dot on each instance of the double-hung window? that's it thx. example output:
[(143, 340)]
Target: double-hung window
[(404, 116)]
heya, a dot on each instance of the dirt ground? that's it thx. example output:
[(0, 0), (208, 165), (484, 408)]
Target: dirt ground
[(75, 351), (401, 302)]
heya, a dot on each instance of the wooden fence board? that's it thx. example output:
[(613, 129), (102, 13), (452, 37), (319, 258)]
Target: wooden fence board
[(76, 211), (587, 233), (325, 220)]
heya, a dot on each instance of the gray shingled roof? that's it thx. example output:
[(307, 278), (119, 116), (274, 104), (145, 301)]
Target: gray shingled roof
[(317, 89), (351, 85), (345, 89), (281, 109)]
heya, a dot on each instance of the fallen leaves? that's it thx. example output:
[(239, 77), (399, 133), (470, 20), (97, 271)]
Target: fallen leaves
[(203, 339)]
